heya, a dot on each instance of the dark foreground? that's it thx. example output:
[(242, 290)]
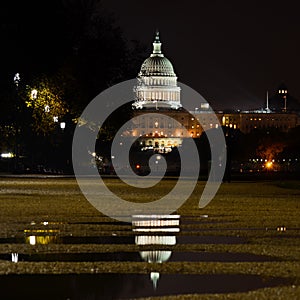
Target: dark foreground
[(244, 245)]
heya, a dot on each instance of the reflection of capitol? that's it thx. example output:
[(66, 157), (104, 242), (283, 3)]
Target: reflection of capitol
[(41, 239), (155, 230), (41, 236)]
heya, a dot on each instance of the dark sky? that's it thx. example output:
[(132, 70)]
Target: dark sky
[(231, 52)]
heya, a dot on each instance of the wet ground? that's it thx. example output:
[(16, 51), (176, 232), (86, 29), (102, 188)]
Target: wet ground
[(46, 255), (126, 285)]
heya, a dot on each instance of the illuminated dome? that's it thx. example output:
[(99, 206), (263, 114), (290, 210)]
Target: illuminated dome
[(157, 82), (157, 66), (155, 256)]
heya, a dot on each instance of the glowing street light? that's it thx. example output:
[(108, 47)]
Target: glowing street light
[(62, 125), (47, 108), (7, 155), (34, 94), (269, 165), (17, 79)]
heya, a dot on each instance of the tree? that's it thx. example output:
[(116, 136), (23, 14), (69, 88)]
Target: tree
[(270, 150), (45, 99), (80, 51), (7, 119)]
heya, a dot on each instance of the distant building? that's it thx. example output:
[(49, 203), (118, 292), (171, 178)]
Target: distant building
[(157, 92), (248, 121), (282, 101)]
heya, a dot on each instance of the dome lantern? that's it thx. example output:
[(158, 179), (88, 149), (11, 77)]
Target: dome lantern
[(157, 46)]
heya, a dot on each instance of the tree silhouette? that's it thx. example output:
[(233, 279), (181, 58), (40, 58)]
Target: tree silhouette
[(45, 100)]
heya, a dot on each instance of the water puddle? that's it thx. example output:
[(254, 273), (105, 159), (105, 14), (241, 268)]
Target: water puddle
[(149, 256), (147, 233), (69, 240), (114, 239), (145, 230), (219, 257), (124, 286), (207, 239)]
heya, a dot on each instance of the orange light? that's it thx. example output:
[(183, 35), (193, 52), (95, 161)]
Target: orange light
[(138, 166), (269, 165)]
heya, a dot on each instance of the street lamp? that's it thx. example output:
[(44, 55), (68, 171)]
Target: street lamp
[(47, 108), (17, 79), (62, 125), (34, 94)]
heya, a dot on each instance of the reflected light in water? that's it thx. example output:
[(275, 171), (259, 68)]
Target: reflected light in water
[(40, 236), (156, 229), (156, 256), (155, 224), (40, 239), (143, 240), (14, 257), (154, 276)]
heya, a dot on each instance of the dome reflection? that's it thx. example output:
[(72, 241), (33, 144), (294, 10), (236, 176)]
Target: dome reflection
[(155, 230)]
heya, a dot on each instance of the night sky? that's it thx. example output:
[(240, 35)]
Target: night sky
[(231, 52)]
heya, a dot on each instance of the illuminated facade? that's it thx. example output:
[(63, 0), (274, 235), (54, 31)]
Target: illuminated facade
[(248, 121), (157, 92)]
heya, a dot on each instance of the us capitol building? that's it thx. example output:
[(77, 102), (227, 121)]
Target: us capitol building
[(161, 123)]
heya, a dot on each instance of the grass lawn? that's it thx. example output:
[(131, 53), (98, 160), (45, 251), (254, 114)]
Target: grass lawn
[(252, 211)]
